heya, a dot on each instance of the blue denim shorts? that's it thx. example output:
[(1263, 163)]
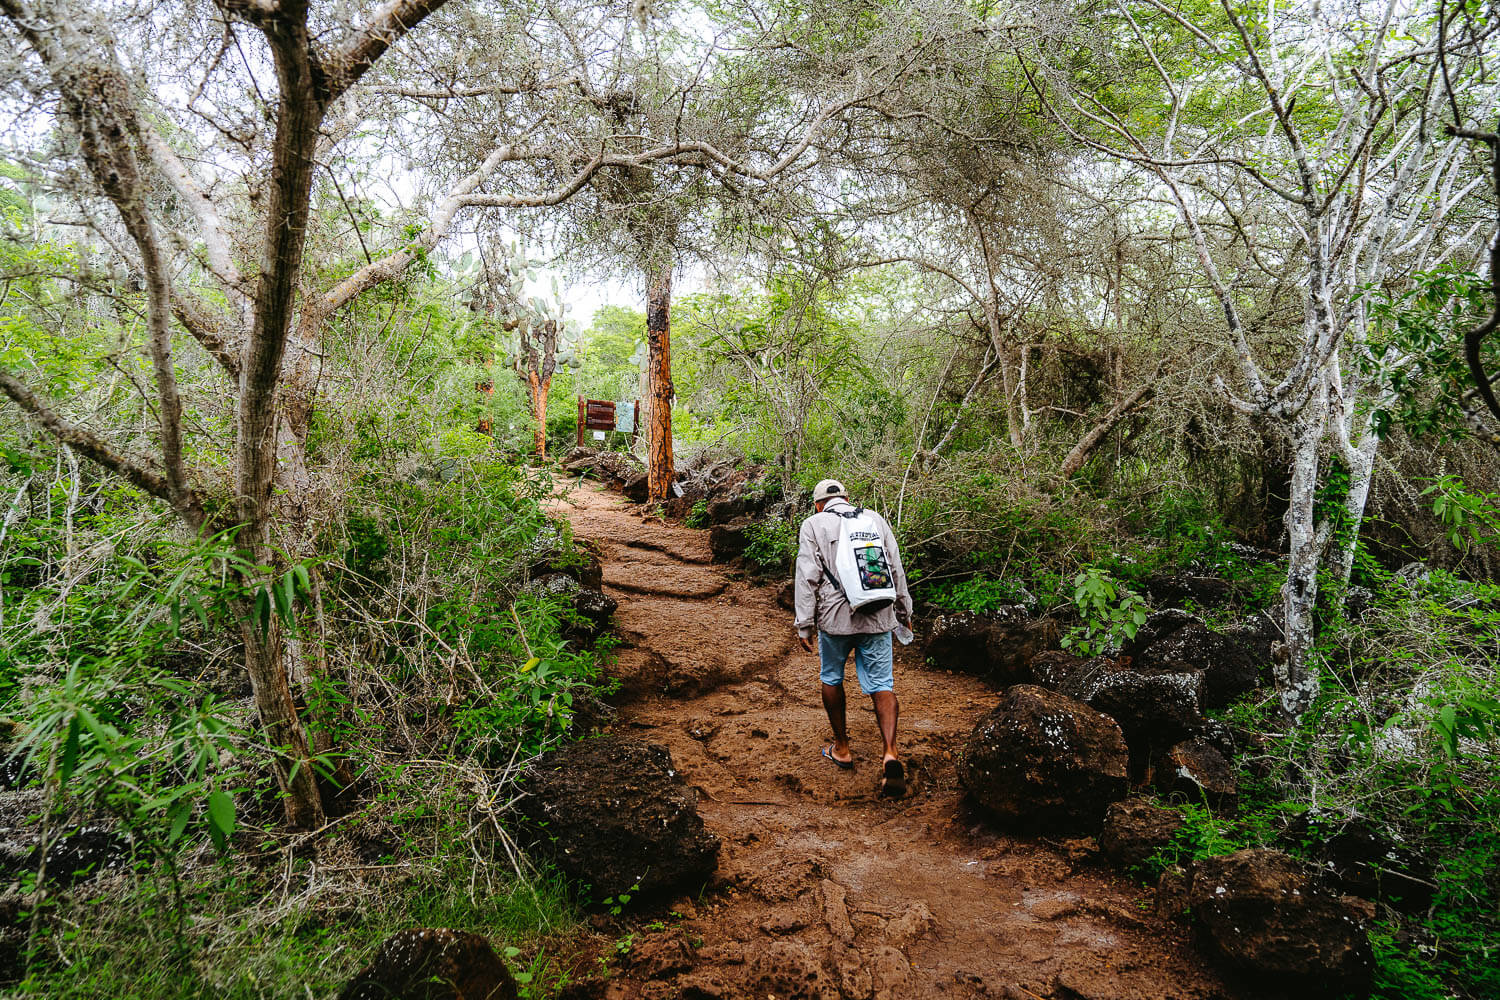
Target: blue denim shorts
[(872, 659)]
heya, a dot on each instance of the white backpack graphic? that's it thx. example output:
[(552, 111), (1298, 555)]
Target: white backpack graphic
[(860, 564)]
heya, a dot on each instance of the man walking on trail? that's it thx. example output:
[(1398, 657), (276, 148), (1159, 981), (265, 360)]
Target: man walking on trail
[(851, 592)]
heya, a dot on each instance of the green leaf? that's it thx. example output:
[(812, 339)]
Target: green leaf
[(283, 595), (221, 812), (303, 578), (180, 816), (192, 600), (263, 610), (526, 667), (69, 759)]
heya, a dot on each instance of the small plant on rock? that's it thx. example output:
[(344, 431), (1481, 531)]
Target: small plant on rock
[(1109, 613)]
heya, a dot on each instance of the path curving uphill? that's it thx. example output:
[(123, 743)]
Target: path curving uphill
[(825, 889)]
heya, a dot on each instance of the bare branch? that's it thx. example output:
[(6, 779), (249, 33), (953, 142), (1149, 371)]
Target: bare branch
[(137, 470), (390, 22), (220, 261)]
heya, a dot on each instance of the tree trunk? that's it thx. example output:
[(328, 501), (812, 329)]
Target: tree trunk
[(264, 659), (1089, 443), (659, 468), (1361, 474), (543, 390), (963, 404), (258, 433), (1296, 678), (538, 388)]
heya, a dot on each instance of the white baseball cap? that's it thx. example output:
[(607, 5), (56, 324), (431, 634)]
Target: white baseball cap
[(828, 489)]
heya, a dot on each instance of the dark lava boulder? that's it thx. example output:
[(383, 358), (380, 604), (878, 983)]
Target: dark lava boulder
[(1229, 669), (1259, 634), (1172, 895), (1154, 710), (15, 770), (636, 487), (729, 541), (433, 964), (70, 859), (747, 503), (997, 646), (613, 813), (612, 468), (1195, 771), (549, 552), (1365, 860), (1262, 912), (1057, 668), (1042, 760), (593, 607), (1177, 588), (1158, 625), (1135, 829)]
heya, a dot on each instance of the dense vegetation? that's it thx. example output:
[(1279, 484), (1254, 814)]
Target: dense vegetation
[(1063, 299)]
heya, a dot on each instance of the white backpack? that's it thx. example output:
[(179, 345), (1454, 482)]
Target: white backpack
[(861, 566)]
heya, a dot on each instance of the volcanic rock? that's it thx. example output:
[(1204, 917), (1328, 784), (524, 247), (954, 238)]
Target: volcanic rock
[(615, 814), (1229, 669), (592, 607), (549, 552), (636, 487), (1134, 829), (1195, 771), (1158, 625), (1056, 668), (1153, 709), (70, 859), (1177, 588), (1258, 633), (729, 541), (997, 646), (1044, 760), (1367, 861), (433, 964), (1261, 912)]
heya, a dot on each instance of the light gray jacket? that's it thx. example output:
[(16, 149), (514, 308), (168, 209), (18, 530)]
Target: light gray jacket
[(821, 605)]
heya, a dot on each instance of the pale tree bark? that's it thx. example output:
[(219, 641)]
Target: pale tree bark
[(114, 138), (1341, 200), (1081, 452), (985, 366), (993, 328)]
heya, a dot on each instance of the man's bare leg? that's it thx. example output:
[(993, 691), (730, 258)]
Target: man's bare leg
[(834, 705), (887, 712)]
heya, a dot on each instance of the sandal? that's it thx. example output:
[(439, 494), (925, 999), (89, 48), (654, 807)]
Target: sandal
[(842, 765), (893, 783)]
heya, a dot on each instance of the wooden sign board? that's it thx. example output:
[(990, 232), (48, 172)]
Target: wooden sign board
[(602, 415)]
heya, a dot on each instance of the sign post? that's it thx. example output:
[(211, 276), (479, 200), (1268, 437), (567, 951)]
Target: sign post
[(603, 416)]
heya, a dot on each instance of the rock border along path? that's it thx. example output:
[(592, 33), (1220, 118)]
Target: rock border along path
[(825, 890)]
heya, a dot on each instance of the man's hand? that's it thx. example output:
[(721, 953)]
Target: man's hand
[(806, 643)]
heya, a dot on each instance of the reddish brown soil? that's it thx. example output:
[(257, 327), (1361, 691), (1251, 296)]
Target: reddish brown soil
[(825, 889)]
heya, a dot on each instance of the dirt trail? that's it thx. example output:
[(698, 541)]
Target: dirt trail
[(827, 890)]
